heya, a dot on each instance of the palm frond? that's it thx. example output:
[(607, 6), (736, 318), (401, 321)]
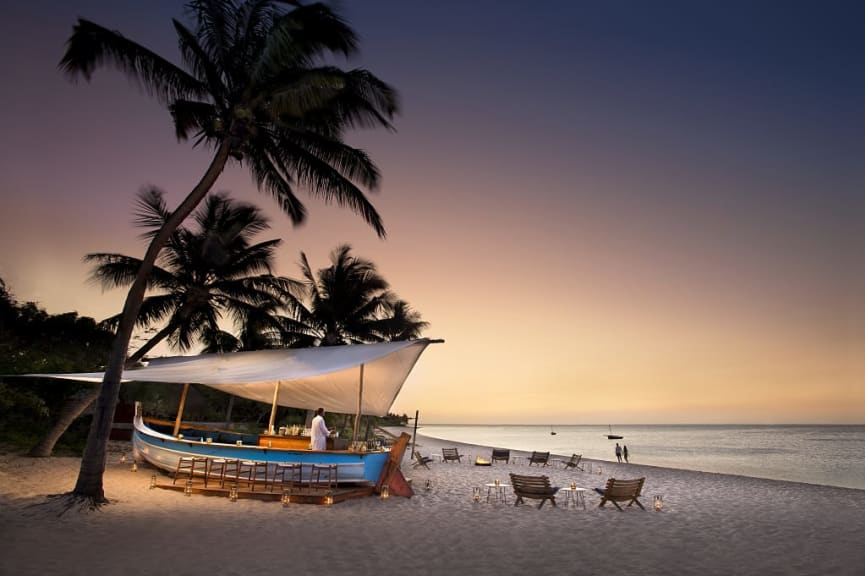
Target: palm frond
[(330, 97), (304, 34), (199, 59), (194, 118), (322, 179), (92, 46), (113, 270), (365, 101), (217, 26), (298, 92), (156, 308), (150, 211), (274, 181)]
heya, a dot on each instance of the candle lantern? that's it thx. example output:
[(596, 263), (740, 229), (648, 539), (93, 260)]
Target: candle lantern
[(498, 483), (286, 498), (123, 458), (573, 485), (153, 482), (476, 494), (385, 491), (188, 488), (659, 503), (134, 466), (428, 485), (328, 497), (232, 493)]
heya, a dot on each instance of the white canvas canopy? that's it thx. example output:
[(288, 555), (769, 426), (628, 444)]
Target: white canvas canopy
[(364, 378)]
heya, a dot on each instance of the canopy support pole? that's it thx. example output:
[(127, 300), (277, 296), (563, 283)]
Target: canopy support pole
[(414, 433), (180, 408), (356, 430), (270, 428)]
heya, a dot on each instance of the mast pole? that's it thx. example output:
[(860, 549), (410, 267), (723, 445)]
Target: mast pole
[(356, 430), (180, 408), (273, 408), (414, 433)]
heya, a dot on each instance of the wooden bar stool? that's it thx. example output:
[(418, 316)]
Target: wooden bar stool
[(231, 472), (330, 472), (288, 475), (216, 468), (188, 466), (252, 472)]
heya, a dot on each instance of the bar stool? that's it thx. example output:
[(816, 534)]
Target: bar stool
[(187, 465), (331, 473), (231, 471), (216, 468), (285, 473), (251, 471)]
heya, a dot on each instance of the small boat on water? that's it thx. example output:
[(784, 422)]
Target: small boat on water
[(552, 432), (612, 436)]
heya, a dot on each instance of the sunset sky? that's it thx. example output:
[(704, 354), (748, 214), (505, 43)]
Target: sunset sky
[(612, 212)]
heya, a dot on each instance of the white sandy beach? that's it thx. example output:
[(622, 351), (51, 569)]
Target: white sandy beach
[(711, 524)]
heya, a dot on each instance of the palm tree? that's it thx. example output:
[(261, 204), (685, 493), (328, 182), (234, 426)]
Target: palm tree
[(401, 322), (202, 273), (253, 90), (349, 302), (199, 275)]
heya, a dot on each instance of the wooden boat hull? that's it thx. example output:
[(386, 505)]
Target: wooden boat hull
[(164, 451)]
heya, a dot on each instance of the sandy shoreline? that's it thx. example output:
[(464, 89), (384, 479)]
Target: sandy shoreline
[(711, 524)]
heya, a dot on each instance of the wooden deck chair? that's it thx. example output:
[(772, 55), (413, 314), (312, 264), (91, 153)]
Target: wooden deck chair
[(621, 491), (450, 455), (421, 460), (501, 455), (539, 458), (537, 487), (574, 462)]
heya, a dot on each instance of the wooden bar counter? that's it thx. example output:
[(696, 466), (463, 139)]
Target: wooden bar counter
[(288, 442)]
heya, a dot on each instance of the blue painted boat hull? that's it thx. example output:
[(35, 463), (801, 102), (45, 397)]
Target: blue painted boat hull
[(164, 451)]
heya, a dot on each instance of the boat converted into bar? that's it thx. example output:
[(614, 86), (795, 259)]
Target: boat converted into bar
[(363, 379)]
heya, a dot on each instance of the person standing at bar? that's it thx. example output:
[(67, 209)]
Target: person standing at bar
[(319, 433)]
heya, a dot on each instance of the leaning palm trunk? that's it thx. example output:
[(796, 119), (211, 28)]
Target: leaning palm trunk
[(71, 410), (150, 345), (76, 406), (89, 486)]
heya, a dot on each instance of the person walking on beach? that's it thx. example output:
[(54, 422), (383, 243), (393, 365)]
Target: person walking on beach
[(619, 452), (319, 433), (625, 453)]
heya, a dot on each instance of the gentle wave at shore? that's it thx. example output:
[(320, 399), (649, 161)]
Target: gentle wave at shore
[(827, 455)]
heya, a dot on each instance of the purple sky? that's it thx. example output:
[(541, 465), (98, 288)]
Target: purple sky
[(612, 212)]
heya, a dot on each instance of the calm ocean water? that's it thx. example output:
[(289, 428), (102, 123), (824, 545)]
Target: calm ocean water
[(829, 455)]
